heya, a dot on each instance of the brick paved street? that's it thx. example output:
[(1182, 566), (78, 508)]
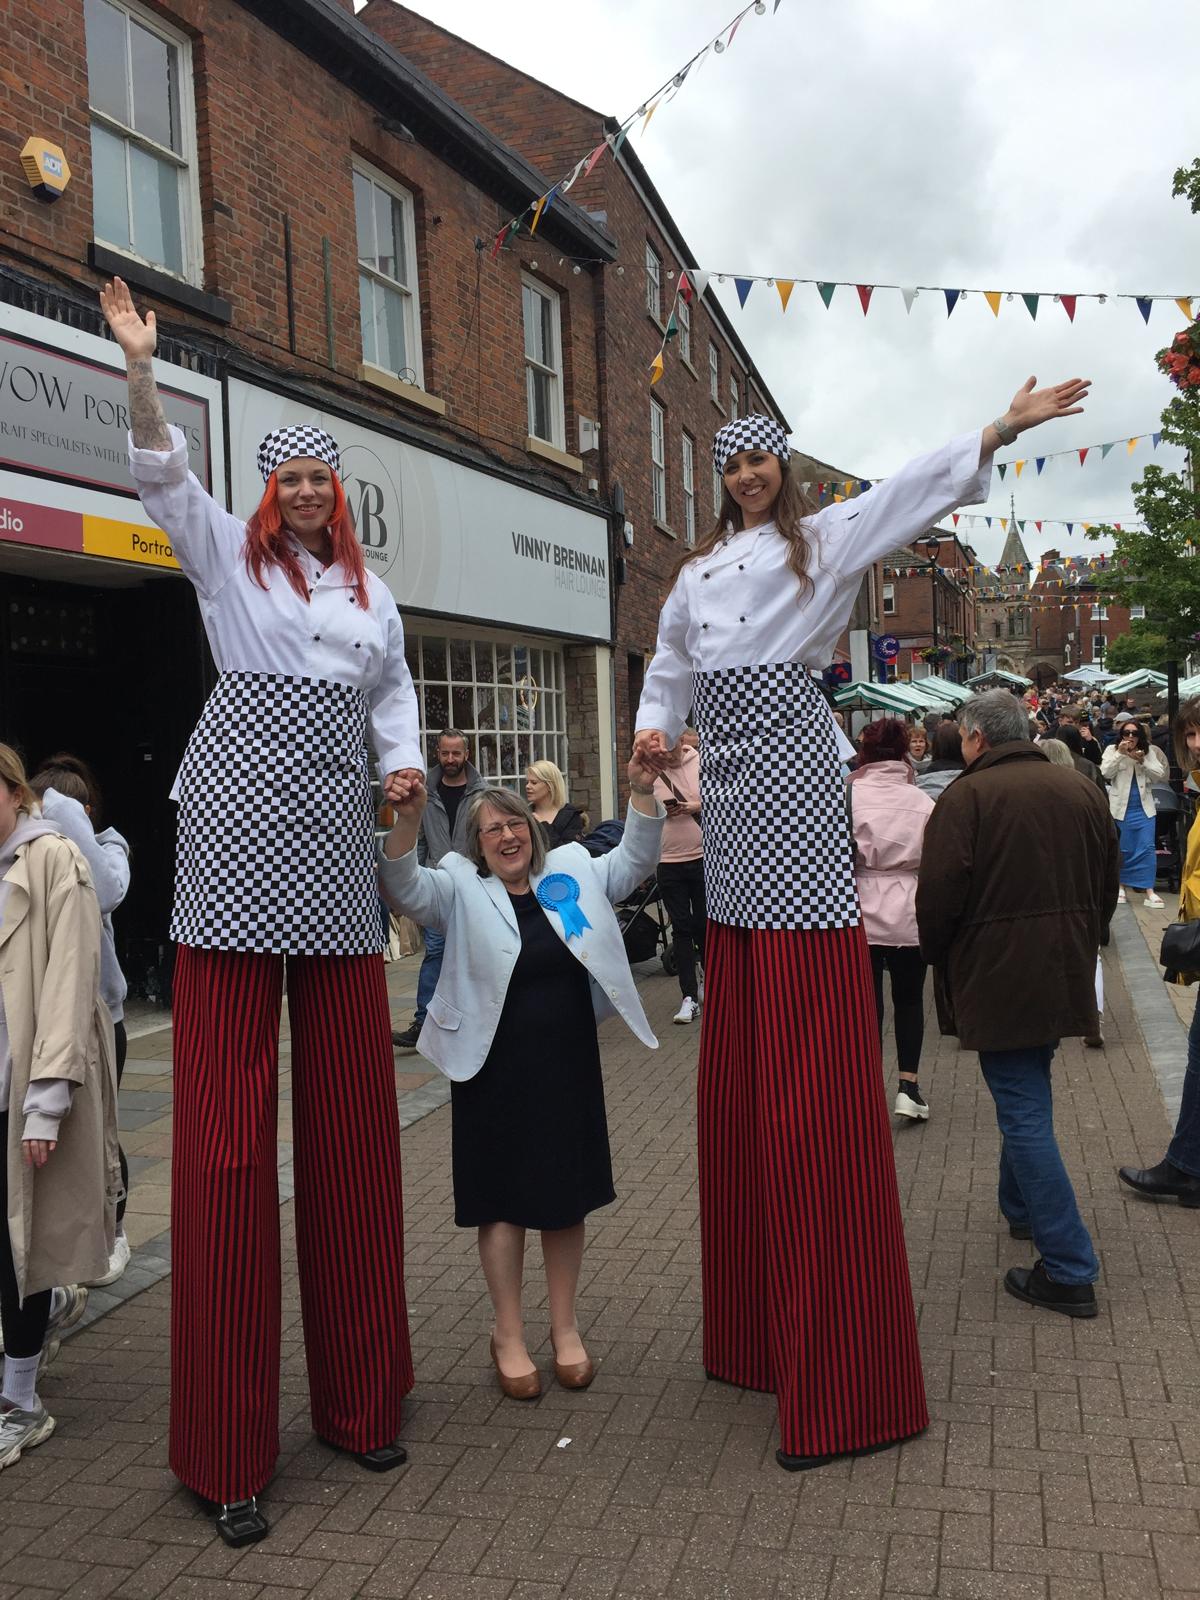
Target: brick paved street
[(1062, 1462)]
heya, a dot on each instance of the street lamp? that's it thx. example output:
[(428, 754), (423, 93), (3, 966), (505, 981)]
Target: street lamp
[(932, 547)]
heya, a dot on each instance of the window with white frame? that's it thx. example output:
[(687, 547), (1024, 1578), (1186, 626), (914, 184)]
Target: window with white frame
[(733, 396), (1097, 647), (653, 283), (718, 486), (889, 599), (509, 700), (543, 362), (145, 186), (1137, 613), (688, 480), (714, 372), (1099, 613), (683, 315), (388, 303), (658, 462)]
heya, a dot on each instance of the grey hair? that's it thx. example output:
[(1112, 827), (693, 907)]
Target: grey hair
[(999, 716), (507, 804), (1057, 751)]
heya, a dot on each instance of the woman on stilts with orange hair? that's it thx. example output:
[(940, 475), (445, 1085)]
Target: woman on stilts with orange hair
[(275, 867)]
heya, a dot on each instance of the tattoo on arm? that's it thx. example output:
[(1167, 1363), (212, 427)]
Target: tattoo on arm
[(146, 421)]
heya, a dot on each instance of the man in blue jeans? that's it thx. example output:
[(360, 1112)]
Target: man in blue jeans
[(449, 785), (1019, 871)]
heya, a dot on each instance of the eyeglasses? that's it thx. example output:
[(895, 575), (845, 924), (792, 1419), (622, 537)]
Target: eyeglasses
[(496, 830)]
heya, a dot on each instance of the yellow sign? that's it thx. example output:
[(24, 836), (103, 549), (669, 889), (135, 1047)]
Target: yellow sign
[(46, 168), (126, 541)]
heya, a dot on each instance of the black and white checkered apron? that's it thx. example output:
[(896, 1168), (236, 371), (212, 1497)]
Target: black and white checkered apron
[(776, 840), (276, 832)]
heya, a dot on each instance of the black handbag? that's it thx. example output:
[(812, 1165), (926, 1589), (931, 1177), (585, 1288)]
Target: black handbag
[(1180, 950)]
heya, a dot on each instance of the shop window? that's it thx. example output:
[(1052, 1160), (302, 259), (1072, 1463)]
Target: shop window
[(658, 462), (717, 486), (653, 283), (507, 698), (889, 599), (714, 374), (1097, 647), (145, 187), (389, 307), (733, 396), (688, 480), (1099, 613), (683, 315), (543, 362)]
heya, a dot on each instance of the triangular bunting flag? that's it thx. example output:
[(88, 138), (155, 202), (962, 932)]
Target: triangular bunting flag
[(686, 292), (988, 520), (1131, 446), (1039, 463), (649, 114), (1144, 306), (572, 175), (733, 30), (743, 287), (825, 290), (1083, 454), (849, 487), (1031, 304), (500, 238), (698, 281), (954, 518), (1068, 305), (1038, 526), (541, 208), (1002, 468), (1104, 449), (993, 298), (1004, 527), (594, 157), (1155, 437), (951, 299), (865, 291), (621, 138), (909, 296), (1185, 305), (672, 326), (656, 369), (1070, 525), (1019, 465), (785, 287)]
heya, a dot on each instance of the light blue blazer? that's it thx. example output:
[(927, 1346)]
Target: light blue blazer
[(482, 939)]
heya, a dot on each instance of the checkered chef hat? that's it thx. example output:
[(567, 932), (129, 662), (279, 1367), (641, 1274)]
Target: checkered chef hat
[(286, 444), (749, 433)]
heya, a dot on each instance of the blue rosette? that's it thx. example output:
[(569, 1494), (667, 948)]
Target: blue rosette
[(559, 891)]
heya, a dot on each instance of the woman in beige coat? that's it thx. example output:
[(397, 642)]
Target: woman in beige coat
[(57, 1095)]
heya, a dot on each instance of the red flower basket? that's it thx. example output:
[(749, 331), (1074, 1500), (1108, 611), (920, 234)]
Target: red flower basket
[(1181, 360)]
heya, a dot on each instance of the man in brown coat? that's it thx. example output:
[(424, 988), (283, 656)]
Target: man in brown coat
[(1019, 876)]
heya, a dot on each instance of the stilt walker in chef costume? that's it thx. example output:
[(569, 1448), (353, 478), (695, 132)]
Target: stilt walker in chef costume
[(805, 1274), (274, 868)]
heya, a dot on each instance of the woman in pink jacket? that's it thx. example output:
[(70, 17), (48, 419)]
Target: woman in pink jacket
[(888, 814)]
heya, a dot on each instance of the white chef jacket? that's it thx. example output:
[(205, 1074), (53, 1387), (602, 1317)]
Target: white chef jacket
[(273, 630), (741, 605)]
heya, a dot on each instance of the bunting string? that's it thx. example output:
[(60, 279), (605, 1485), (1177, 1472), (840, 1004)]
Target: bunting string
[(666, 91)]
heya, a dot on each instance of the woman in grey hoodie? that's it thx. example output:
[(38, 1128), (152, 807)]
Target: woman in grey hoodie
[(71, 802), (947, 760)]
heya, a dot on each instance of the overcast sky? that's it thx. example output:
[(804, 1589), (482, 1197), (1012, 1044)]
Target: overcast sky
[(1028, 146)]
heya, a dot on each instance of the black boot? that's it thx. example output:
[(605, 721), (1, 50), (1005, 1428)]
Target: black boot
[(382, 1459), (1163, 1182), (240, 1522), (1033, 1286)]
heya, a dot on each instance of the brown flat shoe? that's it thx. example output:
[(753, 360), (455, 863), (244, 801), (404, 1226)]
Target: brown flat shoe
[(527, 1387), (576, 1376)]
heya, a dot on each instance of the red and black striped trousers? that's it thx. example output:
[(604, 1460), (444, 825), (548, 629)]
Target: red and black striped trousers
[(225, 1293), (805, 1271)]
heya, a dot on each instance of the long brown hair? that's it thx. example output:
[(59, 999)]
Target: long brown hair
[(267, 546), (1188, 716), (793, 504)]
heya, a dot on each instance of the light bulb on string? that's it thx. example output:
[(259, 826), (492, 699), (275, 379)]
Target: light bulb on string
[(718, 46), (533, 266), (576, 269), (760, 10)]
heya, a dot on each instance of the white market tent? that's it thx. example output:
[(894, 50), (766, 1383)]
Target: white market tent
[(1187, 688), (954, 693), (861, 696), (920, 694), (997, 678), (1092, 676), (1144, 678)]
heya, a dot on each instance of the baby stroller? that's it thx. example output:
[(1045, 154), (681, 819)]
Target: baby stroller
[(642, 917)]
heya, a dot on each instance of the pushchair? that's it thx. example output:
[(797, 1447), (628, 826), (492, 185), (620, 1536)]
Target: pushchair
[(641, 916)]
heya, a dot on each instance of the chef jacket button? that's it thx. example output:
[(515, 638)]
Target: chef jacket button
[(741, 566), (741, 619), (583, 955), (316, 638), (704, 624), (357, 645), (707, 574), (612, 994)]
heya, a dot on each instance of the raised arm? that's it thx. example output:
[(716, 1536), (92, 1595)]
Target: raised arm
[(636, 857), (138, 339)]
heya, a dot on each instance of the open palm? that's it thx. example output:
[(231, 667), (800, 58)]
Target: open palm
[(1032, 405), (136, 337)]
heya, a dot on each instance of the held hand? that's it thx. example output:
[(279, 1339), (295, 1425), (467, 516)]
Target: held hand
[(36, 1152), (1030, 405), (641, 770), (136, 338), (651, 746), (405, 789)]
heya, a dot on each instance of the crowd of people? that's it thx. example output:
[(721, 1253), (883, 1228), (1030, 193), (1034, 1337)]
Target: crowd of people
[(799, 870)]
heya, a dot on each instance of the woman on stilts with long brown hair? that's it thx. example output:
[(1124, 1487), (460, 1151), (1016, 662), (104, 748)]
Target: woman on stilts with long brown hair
[(805, 1273), (274, 869)]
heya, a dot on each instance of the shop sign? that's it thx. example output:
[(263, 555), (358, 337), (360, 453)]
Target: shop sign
[(64, 418), (445, 537)]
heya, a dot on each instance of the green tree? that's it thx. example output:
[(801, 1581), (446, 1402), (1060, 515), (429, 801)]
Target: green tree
[(1132, 651)]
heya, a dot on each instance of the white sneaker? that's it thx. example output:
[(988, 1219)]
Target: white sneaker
[(21, 1431), (1154, 901), (66, 1308), (910, 1102), (688, 1011), (1120, 897), (117, 1262)]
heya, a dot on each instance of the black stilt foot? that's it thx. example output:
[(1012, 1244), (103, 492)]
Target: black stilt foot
[(240, 1522), (384, 1458)]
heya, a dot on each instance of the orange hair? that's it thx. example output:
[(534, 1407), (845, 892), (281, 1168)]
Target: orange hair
[(267, 545)]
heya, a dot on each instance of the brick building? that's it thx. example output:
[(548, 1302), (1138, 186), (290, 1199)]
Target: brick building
[(301, 207), (1005, 619), (1072, 626), (927, 600), (654, 456)]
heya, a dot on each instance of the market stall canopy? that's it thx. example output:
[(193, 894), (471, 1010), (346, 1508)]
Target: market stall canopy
[(1187, 688), (872, 697), (1144, 678), (954, 693), (997, 678), (1094, 677)]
